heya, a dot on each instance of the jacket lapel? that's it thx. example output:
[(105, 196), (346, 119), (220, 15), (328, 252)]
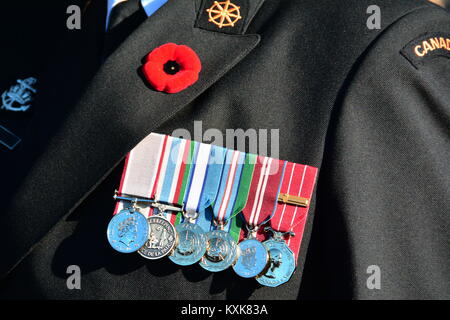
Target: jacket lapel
[(117, 111)]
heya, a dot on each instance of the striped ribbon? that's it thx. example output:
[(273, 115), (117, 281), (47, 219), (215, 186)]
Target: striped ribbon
[(140, 171), (219, 183), (264, 189), (174, 172), (210, 187), (228, 202), (235, 226), (197, 181), (298, 180), (233, 192)]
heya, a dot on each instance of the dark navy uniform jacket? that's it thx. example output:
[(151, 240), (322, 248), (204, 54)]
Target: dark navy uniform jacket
[(369, 107)]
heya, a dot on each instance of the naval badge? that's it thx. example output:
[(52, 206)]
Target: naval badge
[(127, 231), (19, 96), (224, 14)]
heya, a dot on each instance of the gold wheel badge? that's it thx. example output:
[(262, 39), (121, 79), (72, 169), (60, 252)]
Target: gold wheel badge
[(224, 14)]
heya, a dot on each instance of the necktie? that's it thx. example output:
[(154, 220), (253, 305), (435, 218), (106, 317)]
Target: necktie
[(123, 10)]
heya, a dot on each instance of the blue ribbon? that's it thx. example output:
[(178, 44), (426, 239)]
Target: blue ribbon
[(211, 187)]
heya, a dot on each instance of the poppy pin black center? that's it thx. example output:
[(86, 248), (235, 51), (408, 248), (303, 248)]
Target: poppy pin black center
[(171, 67)]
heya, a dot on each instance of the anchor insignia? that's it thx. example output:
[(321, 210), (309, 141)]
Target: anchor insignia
[(19, 96)]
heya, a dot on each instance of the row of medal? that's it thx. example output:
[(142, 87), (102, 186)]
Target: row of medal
[(200, 203)]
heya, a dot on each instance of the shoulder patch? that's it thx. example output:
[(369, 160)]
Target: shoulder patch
[(426, 47)]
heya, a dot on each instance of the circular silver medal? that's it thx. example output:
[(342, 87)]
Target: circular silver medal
[(161, 238), (252, 260), (281, 264), (127, 231), (191, 244), (221, 251)]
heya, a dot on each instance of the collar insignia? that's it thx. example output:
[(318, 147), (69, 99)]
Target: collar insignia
[(224, 14)]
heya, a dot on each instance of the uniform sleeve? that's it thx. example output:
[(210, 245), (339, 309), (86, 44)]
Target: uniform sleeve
[(384, 189)]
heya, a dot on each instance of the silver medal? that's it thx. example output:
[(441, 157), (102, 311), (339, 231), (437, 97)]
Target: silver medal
[(252, 260), (162, 238), (281, 262), (221, 251), (191, 244)]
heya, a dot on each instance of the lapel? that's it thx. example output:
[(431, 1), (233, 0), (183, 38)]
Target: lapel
[(117, 110)]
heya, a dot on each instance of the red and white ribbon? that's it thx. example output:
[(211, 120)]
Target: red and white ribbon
[(140, 171), (298, 180)]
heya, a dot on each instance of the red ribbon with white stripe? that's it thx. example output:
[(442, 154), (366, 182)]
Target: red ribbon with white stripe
[(263, 193), (298, 180)]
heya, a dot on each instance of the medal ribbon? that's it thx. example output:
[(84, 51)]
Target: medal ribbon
[(174, 172), (235, 227), (197, 181), (263, 191), (229, 186), (139, 174), (210, 186), (298, 180)]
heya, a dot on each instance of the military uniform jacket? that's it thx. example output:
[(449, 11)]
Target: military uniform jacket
[(358, 103)]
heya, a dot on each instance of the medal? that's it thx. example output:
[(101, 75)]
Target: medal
[(259, 209), (172, 177), (192, 241), (129, 227), (222, 250), (127, 230), (162, 236), (253, 259), (191, 246), (203, 190), (290, 215), (281, 262)]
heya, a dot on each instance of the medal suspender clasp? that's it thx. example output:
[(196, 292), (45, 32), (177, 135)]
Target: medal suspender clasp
[(190, 216), (220, 224), (278, 235), (163, 208), (252, 231)]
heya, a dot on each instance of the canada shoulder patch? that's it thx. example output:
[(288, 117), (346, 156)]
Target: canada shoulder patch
[(427, 47)]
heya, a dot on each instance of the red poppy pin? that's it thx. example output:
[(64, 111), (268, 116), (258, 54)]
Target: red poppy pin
[(172, 68)]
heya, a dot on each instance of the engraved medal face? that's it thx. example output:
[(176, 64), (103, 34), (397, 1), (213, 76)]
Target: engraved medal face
[(191, 244), (161, 238), (253, 259), (221, 251), (281, 264), (127, 231)]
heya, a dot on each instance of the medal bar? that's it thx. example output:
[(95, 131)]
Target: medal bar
[(294, 200)]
